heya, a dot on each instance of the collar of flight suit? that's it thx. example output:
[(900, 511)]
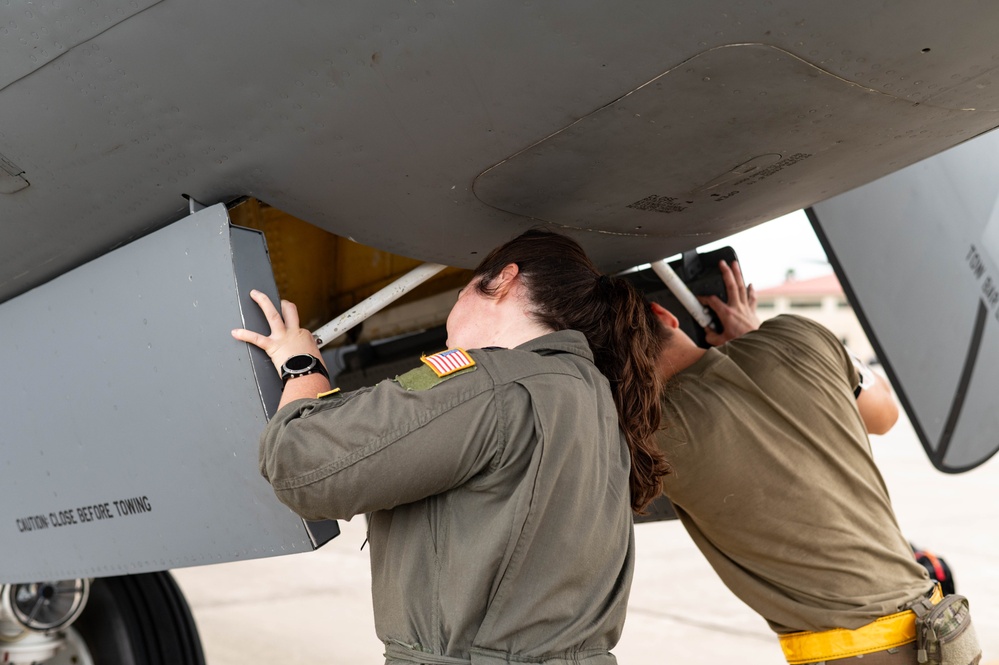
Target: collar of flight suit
[(563, 341)]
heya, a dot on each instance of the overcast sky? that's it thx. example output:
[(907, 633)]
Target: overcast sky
[(766, 252)]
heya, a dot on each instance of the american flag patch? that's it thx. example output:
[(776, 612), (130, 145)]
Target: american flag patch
[(449, 362)]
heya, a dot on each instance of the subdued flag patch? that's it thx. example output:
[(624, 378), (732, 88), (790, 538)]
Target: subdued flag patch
[(449, 362)]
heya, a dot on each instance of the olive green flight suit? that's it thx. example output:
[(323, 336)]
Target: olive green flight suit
[(501, 529)]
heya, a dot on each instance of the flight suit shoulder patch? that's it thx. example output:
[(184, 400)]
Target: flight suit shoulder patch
[(425, 378), (448, 362)]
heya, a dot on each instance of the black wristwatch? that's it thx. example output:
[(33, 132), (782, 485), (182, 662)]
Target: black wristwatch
[(300, 366)]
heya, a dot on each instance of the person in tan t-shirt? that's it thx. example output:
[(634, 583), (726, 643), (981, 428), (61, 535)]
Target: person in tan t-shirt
[(774, 480)]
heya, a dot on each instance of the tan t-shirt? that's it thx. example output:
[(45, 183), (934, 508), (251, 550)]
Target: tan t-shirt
[(773, 479)]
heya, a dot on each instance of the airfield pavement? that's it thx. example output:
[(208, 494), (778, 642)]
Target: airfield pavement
[(315, 608)]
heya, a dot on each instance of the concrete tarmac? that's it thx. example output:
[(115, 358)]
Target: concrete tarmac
[(315, 608)]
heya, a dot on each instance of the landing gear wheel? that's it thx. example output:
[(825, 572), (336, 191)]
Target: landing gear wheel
[(138, 620)]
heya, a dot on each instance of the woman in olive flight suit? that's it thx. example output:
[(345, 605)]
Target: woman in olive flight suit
[(501, 475)]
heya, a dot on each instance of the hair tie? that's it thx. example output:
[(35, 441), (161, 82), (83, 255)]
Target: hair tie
[(604, 281)]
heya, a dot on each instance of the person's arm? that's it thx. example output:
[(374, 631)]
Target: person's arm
[(874, 399), (380, 447), (343, 455), (877, 407), (738, 315)]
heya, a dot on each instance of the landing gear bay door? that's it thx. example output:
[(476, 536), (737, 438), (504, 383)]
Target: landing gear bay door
[(918, 253), (130, 416)]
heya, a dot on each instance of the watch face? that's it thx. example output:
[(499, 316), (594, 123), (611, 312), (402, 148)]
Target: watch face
[(299, 363)]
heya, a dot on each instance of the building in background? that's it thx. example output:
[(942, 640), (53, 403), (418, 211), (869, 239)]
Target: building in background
[(821, 299)]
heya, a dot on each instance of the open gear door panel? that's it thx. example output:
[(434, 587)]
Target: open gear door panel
[(130, 431), (918, 254)]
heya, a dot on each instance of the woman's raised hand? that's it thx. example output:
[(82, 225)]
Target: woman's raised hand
[(286, 338)]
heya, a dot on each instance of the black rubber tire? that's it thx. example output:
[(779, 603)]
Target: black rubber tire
[(139, 620)]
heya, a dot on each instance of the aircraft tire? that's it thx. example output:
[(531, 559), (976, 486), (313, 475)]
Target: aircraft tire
[(139, 620)]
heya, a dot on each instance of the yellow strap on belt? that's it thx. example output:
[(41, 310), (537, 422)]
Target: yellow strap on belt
[(890, 631)]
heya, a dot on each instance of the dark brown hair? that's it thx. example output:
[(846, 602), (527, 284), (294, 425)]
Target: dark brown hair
[(568, 292)]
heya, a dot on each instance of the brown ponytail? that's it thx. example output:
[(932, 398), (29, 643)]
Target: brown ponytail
[(568, 292)]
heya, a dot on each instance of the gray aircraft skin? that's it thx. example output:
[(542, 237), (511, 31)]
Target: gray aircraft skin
[(140, 450), (437, 130)]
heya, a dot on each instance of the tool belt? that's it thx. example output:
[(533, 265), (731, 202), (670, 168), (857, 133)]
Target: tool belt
[(887, 632)]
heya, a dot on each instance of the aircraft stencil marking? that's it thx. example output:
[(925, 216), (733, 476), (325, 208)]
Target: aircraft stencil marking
[(670, 204), (655, 203), (773, 169), (96, 512), (990, 285)]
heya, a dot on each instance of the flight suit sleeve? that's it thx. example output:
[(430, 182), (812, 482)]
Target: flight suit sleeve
[(380, 447)]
